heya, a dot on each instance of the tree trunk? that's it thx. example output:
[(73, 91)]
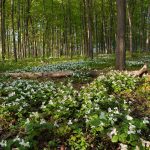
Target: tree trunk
[(130, 29), (148, 31), (3, 29), (120, 49), (19, 32), (88, 10), (13, 30)]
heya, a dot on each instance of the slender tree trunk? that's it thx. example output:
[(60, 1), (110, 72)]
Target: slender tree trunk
[(111, 25), (120, 49), (19, 32), (130, 29), (88, 8), (148, 31), (84, 20), (90, 29), (52, 42), (8, 42), (96, 34), (43, 25), (3, 29), (13, 30), (27, 42), (102, 28), (70, 29)]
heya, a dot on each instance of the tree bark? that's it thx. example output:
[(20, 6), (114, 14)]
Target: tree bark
[(120, 49), (130, 29), (19, 32), (148, 31), (3, 29), (88, 29), (13, 30)]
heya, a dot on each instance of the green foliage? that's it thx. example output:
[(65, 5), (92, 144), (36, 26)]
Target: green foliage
[(39, 115)]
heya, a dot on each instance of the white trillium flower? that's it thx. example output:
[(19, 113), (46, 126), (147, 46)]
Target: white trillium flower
[(50, 102), (25, 144), (17, 138), (101, 124), (113, 132), (145, 121), (20, 109), (109, 109), (69, 122), (34, 114), (27, 121), (131, 132), (102, 115), (3, 143), (131, 129), (92, 127), (42, 121), (145, 143), (55, 124), (11, 94), (129, 117), (123, 146), (139, 131), (87, 120)]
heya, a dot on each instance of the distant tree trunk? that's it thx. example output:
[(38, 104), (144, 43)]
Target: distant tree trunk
[(130, 29), (3, 29), (148, 31), (19, 32), (27, 14), (43, 25), (88, 8), (102, 28), (84, 20), (120, 49), (8, 41), (70, 29), (13, 30), (23, 30), (96, 34), (111, 26), (52, 29)]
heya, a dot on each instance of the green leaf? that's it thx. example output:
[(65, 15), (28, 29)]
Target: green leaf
[(114, 139), (122, 137)]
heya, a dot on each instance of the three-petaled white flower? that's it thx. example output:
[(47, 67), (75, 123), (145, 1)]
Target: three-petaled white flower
[(129, 117)]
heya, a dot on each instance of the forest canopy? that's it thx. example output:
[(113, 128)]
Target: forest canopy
[(54, 28)]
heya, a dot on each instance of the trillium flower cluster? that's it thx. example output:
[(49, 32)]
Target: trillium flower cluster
[(21, 141), (70, 66), (135, 63), (44, 109)]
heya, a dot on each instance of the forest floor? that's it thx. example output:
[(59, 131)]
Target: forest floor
[(94, 108)]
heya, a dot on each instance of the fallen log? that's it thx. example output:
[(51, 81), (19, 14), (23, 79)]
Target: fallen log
[(141, 72), (63, 74), (37, 75)]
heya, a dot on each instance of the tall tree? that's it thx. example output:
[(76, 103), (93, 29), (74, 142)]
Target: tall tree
[(3, 29), (88, 29), (69, 28), (13, 30), (148, 30), (120, 48)]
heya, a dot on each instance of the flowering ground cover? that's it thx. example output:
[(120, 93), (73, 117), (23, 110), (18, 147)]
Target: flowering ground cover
[(109, 113)]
